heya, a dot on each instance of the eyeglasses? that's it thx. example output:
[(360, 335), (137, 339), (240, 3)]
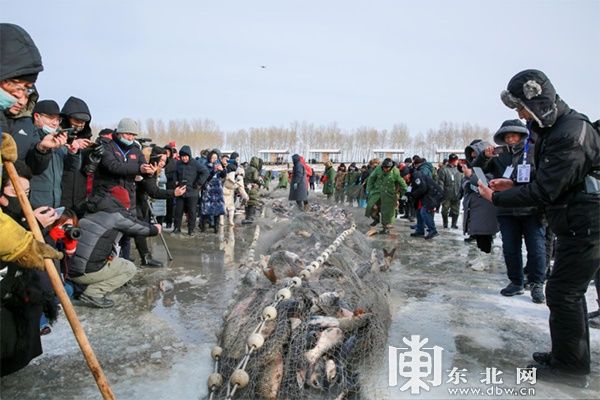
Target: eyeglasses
[(16, 88), (52, 117)]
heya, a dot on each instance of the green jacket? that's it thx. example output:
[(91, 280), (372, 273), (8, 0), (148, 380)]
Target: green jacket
[(283, 180), (385, 189), (449, 178), (252, 176), (329, 186)]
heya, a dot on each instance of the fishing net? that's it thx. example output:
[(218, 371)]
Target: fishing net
[(328, 334)]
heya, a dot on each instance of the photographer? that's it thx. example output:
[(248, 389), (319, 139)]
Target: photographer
[(121, 161), (146, 187), (77, 118), (96, 262), (46, 187)]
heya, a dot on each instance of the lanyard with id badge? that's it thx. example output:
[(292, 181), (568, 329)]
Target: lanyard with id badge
[(524, 169)]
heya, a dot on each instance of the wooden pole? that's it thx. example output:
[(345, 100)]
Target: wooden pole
[(57, 284)]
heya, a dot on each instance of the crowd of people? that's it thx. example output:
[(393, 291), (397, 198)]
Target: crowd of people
[(91, 197)]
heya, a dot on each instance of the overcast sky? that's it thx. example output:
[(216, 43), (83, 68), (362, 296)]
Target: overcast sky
[(358, 63)]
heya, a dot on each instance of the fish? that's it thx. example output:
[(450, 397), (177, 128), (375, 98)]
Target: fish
[(330, 338), (268, 385), (381, 259), (324, 321), (304, 234), (281, 264), (388, 256), (165, 286), (295, 322), (348, 324), (330, 370)]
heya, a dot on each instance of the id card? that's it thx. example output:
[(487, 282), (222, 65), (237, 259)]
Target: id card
[(508, 172), (523, 173)]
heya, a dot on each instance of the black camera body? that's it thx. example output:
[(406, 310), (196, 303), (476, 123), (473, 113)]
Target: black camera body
[(72, 232)]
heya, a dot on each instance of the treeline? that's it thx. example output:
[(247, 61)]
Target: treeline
[(300, 137)]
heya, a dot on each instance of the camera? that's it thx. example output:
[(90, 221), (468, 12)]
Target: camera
[(72, 232), (94, 156), (143, 140), (71, 135), (500, 150)]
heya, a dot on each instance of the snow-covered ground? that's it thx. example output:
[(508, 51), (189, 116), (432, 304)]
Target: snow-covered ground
[(156, 344)]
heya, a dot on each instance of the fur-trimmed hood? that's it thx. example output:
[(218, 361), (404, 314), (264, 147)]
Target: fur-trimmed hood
[(532, 90)]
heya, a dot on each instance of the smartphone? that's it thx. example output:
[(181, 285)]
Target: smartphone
[(183, 182), (480, 175), (59, 211), (500, 150)]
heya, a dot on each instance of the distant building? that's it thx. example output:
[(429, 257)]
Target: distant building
[(274, 157), (321, 156), (394, 154), (441, 154)]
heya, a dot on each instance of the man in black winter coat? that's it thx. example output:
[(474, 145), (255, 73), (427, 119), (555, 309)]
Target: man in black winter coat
[(121, 161), (567, 183), (192, 175), (148, 187)]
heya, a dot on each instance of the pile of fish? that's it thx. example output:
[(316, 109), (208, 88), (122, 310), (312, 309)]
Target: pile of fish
[(334, 327)]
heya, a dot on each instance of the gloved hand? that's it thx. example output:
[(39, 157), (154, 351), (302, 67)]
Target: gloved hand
[(9, 148), (34, 254)]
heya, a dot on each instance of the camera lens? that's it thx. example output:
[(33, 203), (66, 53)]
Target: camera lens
[(73, 232)]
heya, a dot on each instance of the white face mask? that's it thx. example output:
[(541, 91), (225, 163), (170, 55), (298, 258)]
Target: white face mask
[(6, 100), (48, 130)]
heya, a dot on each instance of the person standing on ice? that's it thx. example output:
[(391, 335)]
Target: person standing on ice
[(567, 184), (517, 223), (299, 183)]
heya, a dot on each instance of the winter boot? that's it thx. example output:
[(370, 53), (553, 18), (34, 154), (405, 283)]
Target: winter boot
[(454, 219), (202, 224), (537, 293), (149, 262), (512, 290), (249, 216), (98, 302), (445, 221), (482, 262)]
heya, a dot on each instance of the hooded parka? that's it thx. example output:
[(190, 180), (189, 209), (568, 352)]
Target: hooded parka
[(299, 185)]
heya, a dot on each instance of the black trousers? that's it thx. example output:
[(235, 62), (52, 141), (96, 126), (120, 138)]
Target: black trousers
[(168, 219), (484, 242), (577, 261), (189, 205)]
